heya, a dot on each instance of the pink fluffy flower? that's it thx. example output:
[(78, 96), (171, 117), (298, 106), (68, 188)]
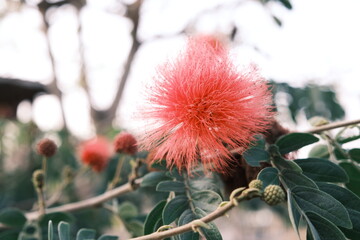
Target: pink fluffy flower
[(202, 107)]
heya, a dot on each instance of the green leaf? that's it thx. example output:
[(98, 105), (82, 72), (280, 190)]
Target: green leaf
[(135, 227), (174, 208), (280, 162), (342, 140), (56, 218), (185, 218), (293, 179), (352, 204), (108, 237), (153, 178), (253, 156), (127, 210), (212, 233), (64, 231), (208, 201), (85, 234), (170, 186), (50, 231), (294, 214), (326, 230), (322, 170), (319, 151), (314, 200), (355, 154), (354, 176), (294, 141), (286, 4), (269, 176), (12, 217), (154, 218)]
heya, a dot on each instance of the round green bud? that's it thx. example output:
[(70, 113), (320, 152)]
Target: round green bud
[(273, 194), (38, 178), (258, 184)]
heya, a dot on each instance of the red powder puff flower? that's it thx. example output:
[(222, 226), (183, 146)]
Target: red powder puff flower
[(125, 143), (202, 106), (95, 153)]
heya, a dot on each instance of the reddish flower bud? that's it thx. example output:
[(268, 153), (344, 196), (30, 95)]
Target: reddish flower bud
[(95, 153), (125, 143), (46, 147)]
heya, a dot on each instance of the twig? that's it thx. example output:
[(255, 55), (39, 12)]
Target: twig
[(246, 195), (91, 202), (333, 126)]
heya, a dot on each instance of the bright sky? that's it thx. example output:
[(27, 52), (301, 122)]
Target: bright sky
[(319, 42)]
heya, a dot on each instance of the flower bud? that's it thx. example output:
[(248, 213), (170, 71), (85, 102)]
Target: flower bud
[(125, 143), (258, 184), (46, 147), (273, 194), (38, 178)]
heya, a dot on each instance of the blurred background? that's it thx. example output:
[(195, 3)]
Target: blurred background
[(73, 69)]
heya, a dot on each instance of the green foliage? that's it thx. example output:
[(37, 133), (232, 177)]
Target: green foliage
[(254, 156), (269, 176), (12, 217), (191, 197), (314, 100), (322, 170), (82, 234), (353, 171), (294, 141)]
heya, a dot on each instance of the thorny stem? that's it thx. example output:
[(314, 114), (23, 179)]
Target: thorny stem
[(246, 195)]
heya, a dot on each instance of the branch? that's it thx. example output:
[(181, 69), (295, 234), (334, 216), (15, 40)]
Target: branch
[(333, 126), (91, 202), (245, 195)]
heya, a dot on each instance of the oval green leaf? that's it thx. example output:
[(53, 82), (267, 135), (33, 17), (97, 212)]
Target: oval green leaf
[(64, 231), (295, 141), (314, 200), (186, 217), (174, 208), (293, 179), (171, 186), (12, 217), (352, 204), (269, 176), (153, 178), (281, 163), (85, 234), (355, 154), (211, 233), (354, 176), (322, 170), (206, 200), (154, 218), (253, 156), (325, 229), (50, 231)]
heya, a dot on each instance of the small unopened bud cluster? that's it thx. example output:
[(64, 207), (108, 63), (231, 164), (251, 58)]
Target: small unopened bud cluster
[(258, 184), (125, 143), (273, 194), (38, 178), (46, 147)]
